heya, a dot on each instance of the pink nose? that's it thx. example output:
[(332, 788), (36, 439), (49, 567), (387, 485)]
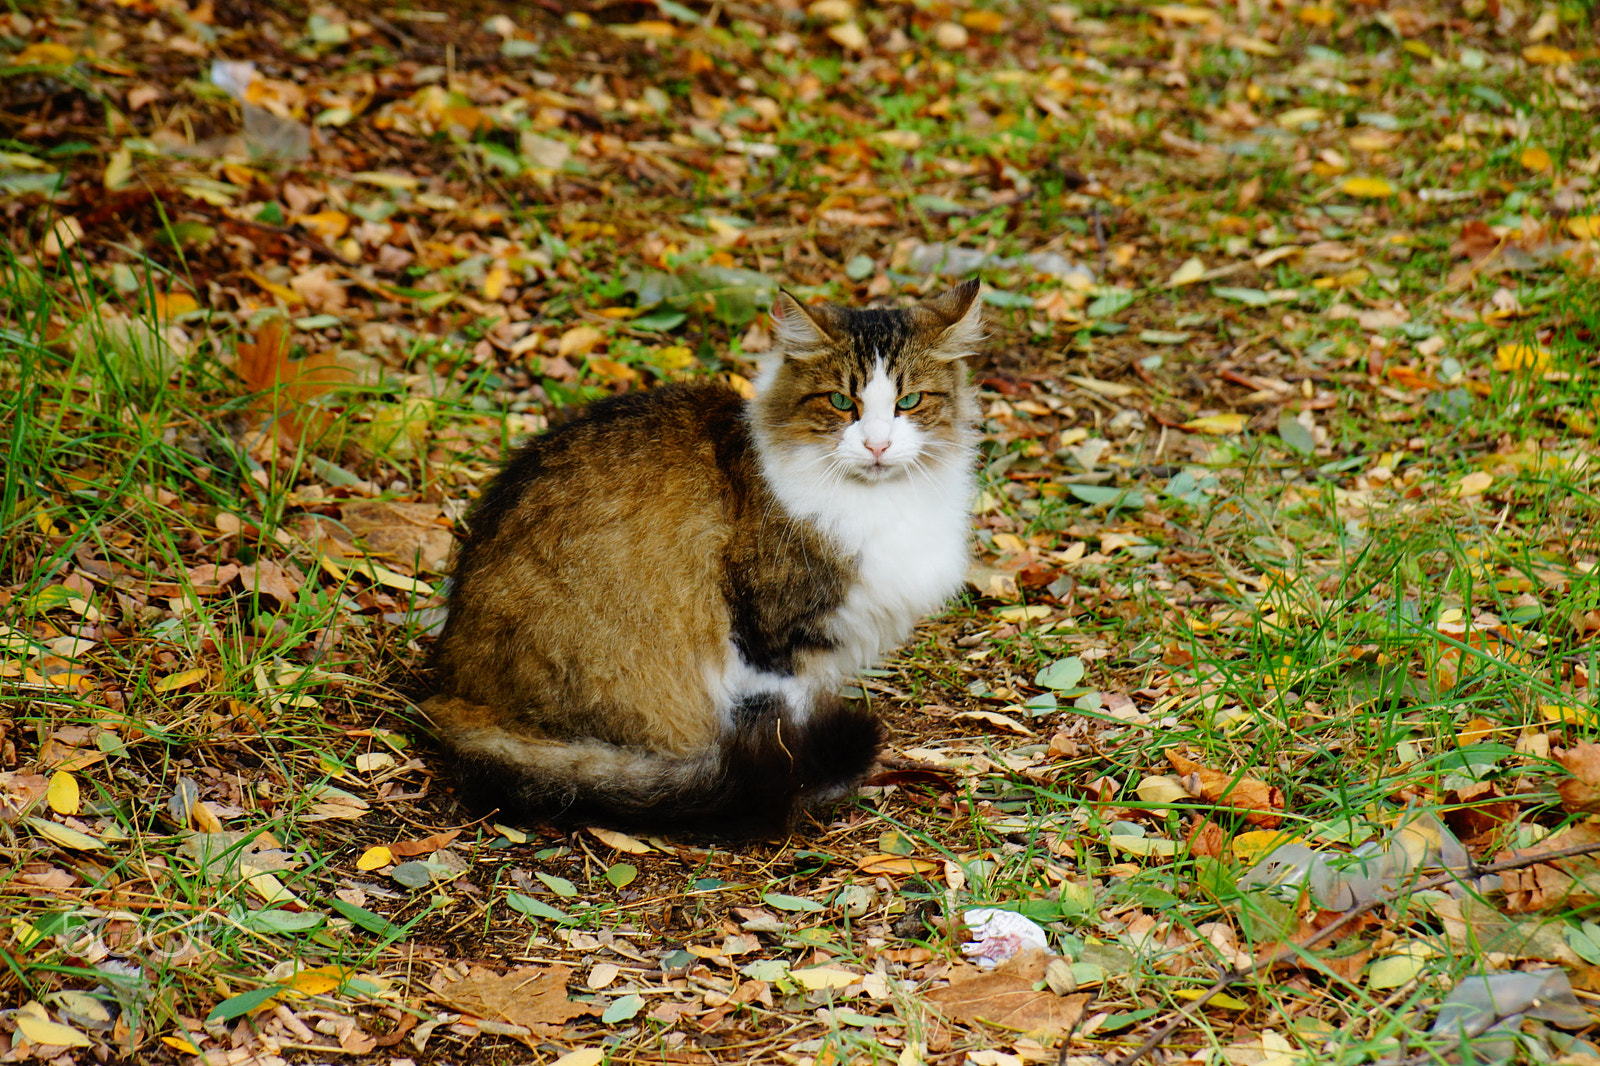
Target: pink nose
[(877, 450)]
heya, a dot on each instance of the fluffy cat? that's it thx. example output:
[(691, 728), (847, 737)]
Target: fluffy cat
[(657, 599)]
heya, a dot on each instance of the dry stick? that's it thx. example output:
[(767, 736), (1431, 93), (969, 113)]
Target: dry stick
[(1287, 951)]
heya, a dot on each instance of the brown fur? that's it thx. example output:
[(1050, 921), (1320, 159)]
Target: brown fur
[(606, 572)]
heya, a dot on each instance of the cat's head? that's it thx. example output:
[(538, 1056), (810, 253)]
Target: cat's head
[(871, 394)]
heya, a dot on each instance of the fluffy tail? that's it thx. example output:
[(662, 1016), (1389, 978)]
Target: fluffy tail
[(765, 771)]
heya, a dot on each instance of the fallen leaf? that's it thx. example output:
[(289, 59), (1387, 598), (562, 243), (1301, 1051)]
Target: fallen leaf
[(1218, 425), (1261, 803), (1474, 484), (374, 859), (1006, 997), (63, 794), (535, 999), (620, 841), (1367, 188), (34, 1023)]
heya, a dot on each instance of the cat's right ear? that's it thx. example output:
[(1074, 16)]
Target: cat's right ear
[(802, 332)]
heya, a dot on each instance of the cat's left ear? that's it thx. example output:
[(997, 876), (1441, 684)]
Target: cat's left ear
[(958, 321), (802, 331)]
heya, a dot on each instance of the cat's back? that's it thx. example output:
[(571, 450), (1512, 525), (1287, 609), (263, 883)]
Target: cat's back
[(630, 459)]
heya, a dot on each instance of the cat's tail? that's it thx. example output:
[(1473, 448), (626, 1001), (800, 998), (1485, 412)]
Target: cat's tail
[(762, 774)]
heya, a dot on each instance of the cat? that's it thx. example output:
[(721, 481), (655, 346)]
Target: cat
[(656, 601)]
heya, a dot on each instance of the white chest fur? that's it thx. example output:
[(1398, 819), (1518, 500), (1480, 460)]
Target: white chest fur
[(909, 537)]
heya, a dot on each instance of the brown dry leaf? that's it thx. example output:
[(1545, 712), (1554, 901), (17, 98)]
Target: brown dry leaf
[(1259, 801), (529, 997), (270, 579), (1580, 793), (409, 848), (1570, 882), (1006, 997), (1207, 840), (408, 535)]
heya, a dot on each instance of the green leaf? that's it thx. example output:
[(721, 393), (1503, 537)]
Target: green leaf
[(282, 921), (1254, 297), (538, 908), (1061, 674), (622, 874), (1109, 303), (242, 1004), (372, 923), (1105, 495), (659, 321), (675, 10), (860, 268), (622, 1009), (936, 205), (791, 903), (1294, 434), (559, 885), (1002, 298)]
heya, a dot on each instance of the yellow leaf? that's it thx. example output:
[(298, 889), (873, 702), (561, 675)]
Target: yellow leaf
[(1475, 483), (650, 29), (1476, 729), (1521, 357), (1186, 13), (620, 841), (119, 167), (816, 977), (1190, 272), (1584, 227), (374, 858), (1163, 790), (896, 865), (1252, 846), (282, 292), (983, 20), (586, 1056), (1296, 117), (1317, 16), (172, 304), (1537, 160), (906, 140), (741, 385), (1568, 714), (1225, 1001), (173, 682), (579, 340), (673, 357), (1367, 188), (849, 35), (1218, 425), (1017, 615), (267, 886), (329, 225), (316, 981), (495, 282), (610, 368), (44, 53), (180, 1044), (35, 1024), (63, 795), (66, 836), (1547, 55)]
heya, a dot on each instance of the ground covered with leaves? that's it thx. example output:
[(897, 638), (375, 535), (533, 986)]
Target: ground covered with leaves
[(1264, 723)]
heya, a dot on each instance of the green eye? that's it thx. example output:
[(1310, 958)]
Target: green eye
[(841, 401), (908, 401)]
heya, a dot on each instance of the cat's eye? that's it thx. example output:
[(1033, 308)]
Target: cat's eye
[(908, 401), (841, 401)]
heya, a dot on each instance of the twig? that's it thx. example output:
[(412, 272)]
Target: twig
[(285, 231), (1287, 951)]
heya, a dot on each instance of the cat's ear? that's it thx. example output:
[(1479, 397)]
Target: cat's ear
[(958, 325), (802, 331)]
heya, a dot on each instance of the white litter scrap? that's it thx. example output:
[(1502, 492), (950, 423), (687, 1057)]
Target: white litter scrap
[(998, 936)]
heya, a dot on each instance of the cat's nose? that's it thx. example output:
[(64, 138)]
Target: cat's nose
[(877, 450)]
